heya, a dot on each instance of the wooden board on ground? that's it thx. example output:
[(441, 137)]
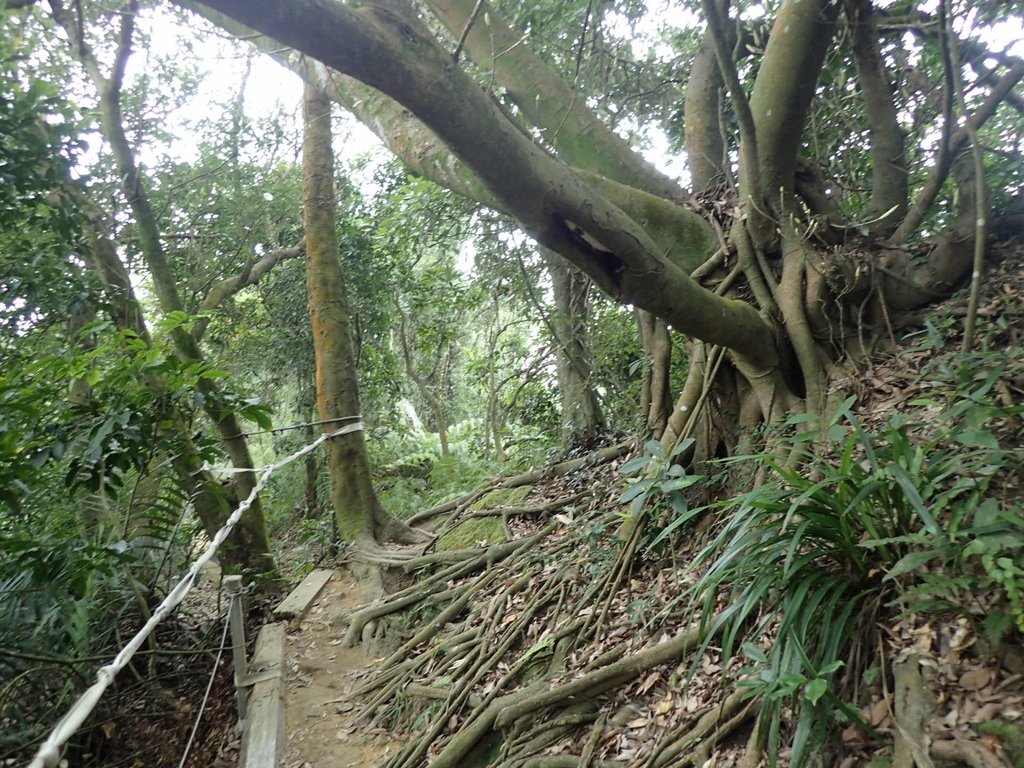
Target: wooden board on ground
[(264, 739), (301, 598)]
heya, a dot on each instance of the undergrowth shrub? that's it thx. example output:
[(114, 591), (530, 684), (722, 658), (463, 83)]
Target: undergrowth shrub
[(801, 566)]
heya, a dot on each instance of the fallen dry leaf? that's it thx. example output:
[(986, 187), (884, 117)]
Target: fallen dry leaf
[(649, 682), (975, 679)]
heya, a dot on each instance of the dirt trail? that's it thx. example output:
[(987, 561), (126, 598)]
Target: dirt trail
[(319, 715)]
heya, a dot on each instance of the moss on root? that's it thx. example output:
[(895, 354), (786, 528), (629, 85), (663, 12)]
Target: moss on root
[(482, 531), (1011, 736)]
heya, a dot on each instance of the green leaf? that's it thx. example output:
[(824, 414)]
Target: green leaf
[(754, 652), (634, 465), (909, 562), (815, 689), (978, 439), (678, 484), (636, 489)]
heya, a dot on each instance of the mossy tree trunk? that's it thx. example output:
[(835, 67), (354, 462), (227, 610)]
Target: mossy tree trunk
[(251, 544), (361, 517), (582, 419)]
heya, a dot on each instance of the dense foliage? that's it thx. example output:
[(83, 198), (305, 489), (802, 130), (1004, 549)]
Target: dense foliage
[(519, 275)]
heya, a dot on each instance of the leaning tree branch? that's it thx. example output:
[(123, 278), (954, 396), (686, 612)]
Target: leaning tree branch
[(747, 234), (930, 191), (547, 101), (465, 32), (250, 274), (750, 180)]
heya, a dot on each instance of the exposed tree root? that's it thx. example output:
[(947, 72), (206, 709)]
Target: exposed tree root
[(527, 478), (482, 557), (911, 715), (600, 680), (569, 761), (526, 509), (530, 738), (477, 677), (699, 738), (967, 752)]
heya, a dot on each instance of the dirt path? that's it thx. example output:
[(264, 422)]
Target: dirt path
[(319, 716)]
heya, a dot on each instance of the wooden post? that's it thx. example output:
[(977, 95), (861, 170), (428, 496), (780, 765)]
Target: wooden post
[(233, 586)]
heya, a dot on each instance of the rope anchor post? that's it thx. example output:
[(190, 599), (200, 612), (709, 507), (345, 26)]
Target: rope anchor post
[(49, 753), (233, 587)]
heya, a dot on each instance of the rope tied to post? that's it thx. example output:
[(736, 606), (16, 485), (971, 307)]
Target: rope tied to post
[(48, 755)]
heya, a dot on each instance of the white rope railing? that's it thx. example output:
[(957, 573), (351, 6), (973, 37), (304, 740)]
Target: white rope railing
[(48, 755)]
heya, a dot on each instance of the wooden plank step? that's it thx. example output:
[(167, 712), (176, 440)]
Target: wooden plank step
[(301, 598), (264, 735)]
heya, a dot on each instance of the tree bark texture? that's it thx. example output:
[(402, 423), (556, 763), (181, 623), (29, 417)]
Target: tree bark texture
[(582, 419), (360, 515)]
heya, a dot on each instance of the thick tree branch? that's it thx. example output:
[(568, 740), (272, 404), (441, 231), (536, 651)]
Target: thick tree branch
[(705, 143), (784, 88), (395, 54), (250, 274), (547, 101), (750, 182)]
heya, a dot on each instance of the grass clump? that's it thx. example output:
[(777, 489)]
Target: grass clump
[(808, 561)]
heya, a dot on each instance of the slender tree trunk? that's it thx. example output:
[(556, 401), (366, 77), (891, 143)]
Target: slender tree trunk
[(252, 528), (360, 515), (495, 412), (312, 470), (427, 390), (582, 419), (657, 395), (247, 548)]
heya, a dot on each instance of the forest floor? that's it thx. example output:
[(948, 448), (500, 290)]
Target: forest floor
[(322, 730), (589, 662), (576, 661)]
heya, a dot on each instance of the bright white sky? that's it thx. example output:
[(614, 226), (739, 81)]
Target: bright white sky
[(271, 89)]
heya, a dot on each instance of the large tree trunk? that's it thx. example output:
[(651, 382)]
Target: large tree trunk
[(362, 519), (582, 419)]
